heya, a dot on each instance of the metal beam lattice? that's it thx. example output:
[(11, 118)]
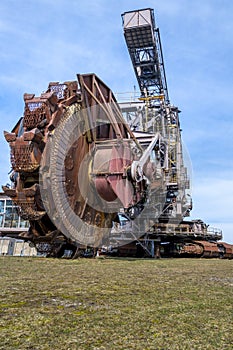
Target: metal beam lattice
[(144, 46)]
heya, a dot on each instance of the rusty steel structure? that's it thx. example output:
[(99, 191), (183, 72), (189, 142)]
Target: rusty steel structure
[(89, 173)]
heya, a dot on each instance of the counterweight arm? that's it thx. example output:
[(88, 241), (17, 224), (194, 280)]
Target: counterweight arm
[(144, 46)]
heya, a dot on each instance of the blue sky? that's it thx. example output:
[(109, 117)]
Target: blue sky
[(47, 40)]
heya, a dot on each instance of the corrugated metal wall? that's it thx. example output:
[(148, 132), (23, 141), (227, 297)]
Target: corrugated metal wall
[(16, 247)]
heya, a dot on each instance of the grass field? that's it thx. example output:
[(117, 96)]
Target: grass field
[(116, 304)]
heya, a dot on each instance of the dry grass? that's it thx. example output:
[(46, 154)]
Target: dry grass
[(115, 304)]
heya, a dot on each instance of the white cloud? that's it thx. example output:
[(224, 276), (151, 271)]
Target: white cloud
[(212, 199), (227, 229)]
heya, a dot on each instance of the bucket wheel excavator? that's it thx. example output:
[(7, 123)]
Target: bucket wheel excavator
[(89, 173)]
